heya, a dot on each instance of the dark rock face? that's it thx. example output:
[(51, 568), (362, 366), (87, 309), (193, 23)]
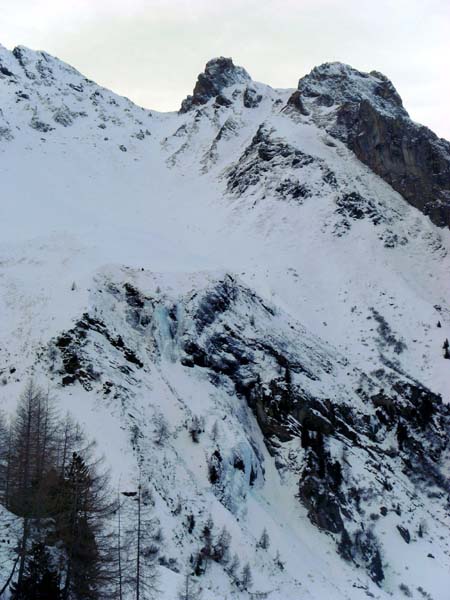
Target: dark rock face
[(404, 532), (219, 74), (251, 98), (371, 120), (411, 158), (327, 439), (259, 161), (42, 71), (296, 101), (5, 71), (286, 411), (74, 364), (270, 165), (354, 206)]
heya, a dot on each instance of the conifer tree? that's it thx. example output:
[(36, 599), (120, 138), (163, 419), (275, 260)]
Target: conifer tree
[(264, 541), (140, 575), (24, 471), (162, 429), (215, 432), (40, 579), (207, 536), (278, 562), (85, 505), (47, 471), (246, 580), (233, 567), (222, 546), (189, 589)]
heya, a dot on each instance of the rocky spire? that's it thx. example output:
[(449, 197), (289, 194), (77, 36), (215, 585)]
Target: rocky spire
[(219, 74)]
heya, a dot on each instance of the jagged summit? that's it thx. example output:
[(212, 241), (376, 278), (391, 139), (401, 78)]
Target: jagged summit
[(219, 74), (329, 84), (338, 83)]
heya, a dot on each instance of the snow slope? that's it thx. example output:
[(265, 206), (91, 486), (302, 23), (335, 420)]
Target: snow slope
[(333, 268)]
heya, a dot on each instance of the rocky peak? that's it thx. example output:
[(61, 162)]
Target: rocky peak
[(337, 84), (219, 74), (369, 117)]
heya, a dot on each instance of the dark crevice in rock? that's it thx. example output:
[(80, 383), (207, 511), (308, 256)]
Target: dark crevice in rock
[(5, 71)]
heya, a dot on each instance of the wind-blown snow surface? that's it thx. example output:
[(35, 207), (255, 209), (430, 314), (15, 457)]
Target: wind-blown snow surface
[(97, 192)]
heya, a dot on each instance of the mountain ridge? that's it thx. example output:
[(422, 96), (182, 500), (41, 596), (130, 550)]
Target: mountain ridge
[(239, 271), (368, 115)]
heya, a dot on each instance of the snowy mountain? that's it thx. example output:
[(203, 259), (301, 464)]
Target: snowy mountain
[(264, 272)]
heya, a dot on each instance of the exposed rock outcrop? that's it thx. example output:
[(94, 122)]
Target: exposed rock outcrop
[(219, 74), (410, 157), (370, 119), (330, 437), (335, 84)]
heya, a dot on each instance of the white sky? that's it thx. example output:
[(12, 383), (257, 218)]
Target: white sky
[(152, 50)]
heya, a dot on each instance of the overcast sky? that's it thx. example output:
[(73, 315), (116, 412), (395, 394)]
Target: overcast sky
[(152, 50)]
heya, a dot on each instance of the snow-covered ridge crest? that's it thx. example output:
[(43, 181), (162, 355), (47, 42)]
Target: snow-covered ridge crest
[(44, 94), (337, 83)]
